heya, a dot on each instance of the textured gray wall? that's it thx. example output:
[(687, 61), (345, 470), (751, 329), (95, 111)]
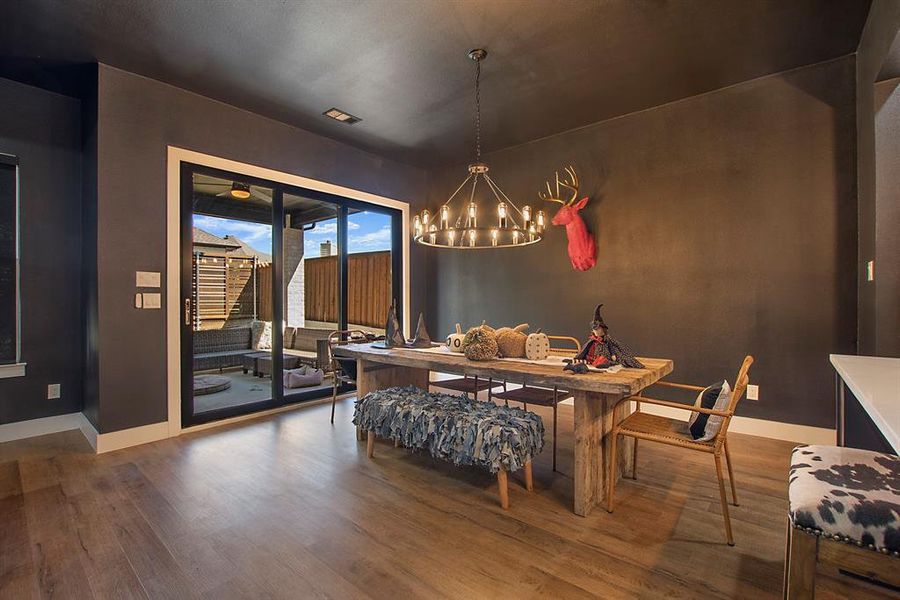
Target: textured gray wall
[(725, 225), (43, 129), (887, 218), (138, 118)]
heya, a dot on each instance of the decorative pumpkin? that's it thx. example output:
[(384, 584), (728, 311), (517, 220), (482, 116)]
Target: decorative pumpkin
[(537, 346), (511, 341), (480, 343), (455, 340)]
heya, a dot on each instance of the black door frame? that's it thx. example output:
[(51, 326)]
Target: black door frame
[(342, 208)]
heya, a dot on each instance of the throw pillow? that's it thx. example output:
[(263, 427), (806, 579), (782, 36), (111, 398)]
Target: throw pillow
[(704, 427), (261, 332)]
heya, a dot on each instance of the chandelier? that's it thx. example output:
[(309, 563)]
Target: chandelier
[(465, 224)]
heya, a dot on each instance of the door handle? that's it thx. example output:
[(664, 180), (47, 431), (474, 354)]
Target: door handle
[(187, 311)]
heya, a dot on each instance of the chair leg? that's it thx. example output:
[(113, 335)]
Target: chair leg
[(490, 389), (611, 476), (730, 475), (525, 406), (724, 500), (333, 400), (554, 435), (502, 483), (634, 460), (529, 477), (800, 567), (370, 444)]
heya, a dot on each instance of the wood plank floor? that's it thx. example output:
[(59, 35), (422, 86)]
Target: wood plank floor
[(289, 507)]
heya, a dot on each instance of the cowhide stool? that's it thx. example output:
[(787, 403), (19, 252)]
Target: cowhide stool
[(845, 511)]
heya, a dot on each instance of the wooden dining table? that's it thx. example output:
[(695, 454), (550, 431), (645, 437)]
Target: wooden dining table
[(597, 398)]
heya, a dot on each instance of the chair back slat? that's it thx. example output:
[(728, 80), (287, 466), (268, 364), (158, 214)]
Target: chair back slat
[(562, 347)]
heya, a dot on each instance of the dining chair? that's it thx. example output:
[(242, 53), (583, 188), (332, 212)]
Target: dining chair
[(343, 369), (468, 385), (673, 432), (545, 396)]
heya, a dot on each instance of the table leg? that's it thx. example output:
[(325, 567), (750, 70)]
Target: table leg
[(371, 376), (595, 415)]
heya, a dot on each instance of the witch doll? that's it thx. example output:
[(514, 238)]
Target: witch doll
[(601, 350)]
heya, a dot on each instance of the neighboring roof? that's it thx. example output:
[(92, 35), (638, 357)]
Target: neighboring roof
[(205, 238), (248, 249)]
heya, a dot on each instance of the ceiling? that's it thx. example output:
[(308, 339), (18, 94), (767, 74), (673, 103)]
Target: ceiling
[(402, 67)]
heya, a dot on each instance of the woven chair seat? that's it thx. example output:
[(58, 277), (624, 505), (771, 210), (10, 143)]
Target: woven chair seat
[(663, 429), (533, 395), (468, 385)]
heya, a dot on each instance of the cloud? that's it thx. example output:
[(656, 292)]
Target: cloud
[(374, 240), (258, 235)]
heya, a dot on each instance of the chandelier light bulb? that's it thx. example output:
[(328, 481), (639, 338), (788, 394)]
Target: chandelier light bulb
[(541, 218), (515, 236), (526, 213), (445, 216), (473, 212), (417, 225), (494, 237), (451, 237), (471, 237)]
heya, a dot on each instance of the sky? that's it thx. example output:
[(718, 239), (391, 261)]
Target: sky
[(367, 232)]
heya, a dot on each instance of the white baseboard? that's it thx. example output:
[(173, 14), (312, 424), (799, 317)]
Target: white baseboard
[(87, 429), (790, 432), (116, 440), (803, 434), (43, 426)]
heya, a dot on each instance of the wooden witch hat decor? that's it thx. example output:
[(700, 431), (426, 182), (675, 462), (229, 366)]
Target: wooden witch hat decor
[(421, 339)]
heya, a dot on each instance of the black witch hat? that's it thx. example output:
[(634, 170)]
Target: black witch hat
[(393, 336), (597, 323), (421, 338)]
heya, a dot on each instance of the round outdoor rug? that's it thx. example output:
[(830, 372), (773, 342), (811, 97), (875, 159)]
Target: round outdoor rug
[(210, 384)]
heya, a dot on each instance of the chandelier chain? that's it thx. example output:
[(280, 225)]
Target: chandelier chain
[(477, 111)]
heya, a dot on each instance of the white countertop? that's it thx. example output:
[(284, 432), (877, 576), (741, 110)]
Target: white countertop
[(875, 381)]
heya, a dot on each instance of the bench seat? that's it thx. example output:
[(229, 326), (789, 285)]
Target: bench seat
[(499, 439)]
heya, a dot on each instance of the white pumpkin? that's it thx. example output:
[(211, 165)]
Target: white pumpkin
[(455, 340), (537, 346)]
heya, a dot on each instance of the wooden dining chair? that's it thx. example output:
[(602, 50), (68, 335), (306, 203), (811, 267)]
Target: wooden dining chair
[(343, 369), (545, 396), (644, 426)]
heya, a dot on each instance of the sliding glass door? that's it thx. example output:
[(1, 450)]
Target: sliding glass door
[(268, 271)]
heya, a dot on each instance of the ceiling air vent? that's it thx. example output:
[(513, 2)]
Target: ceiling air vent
[(339, 115)]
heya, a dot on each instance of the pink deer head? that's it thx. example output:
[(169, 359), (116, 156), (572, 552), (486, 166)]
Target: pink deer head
[(582, 246)]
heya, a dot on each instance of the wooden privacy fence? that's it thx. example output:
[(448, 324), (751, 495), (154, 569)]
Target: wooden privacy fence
[(223, 287), (368, 288)]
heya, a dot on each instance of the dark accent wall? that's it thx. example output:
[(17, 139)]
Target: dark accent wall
[(43, 130), (137, 119), (887, 218), (726, 225), (875, 43)]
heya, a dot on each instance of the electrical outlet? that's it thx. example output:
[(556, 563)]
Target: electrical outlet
[(752, 392), (53, 391)]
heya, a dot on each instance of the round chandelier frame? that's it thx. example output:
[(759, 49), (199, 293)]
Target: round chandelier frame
[(462, 227)]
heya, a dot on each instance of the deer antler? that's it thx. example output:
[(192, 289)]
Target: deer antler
[(570, 182)]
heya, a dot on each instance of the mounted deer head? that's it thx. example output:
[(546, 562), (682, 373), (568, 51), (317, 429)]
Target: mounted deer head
[(582, 246)]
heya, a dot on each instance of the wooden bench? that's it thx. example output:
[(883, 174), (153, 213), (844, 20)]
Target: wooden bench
[(456, 429)]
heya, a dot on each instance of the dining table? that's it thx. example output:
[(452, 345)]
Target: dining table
[(597, 395)]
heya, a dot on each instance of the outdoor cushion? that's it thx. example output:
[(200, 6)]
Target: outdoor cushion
[(453, 428), (304, 376), (847, 494)]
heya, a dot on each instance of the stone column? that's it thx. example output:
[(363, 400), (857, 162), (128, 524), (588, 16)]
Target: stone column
[(294, 313)]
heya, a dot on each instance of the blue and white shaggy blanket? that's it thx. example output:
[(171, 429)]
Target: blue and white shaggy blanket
[(453, 428)]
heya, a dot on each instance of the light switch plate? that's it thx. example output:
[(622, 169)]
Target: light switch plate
[(152, 300), (870, 270), (149, 279), (752, 392), (53, 391), (139, 300)]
